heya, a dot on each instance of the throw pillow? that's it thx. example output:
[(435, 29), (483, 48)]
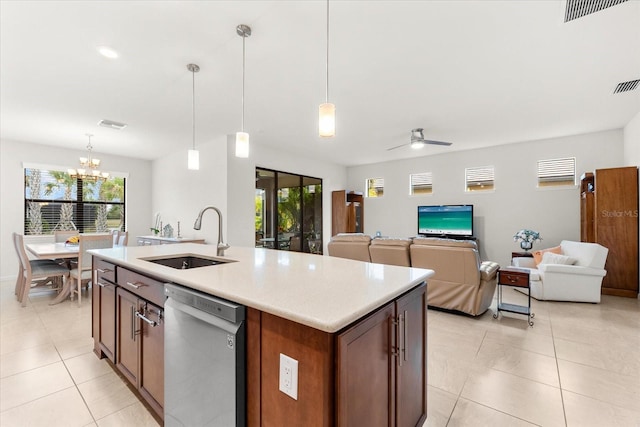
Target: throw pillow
[(551, 258), (537, 255)]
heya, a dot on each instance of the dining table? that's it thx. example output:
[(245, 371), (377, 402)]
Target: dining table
[(55, 251)]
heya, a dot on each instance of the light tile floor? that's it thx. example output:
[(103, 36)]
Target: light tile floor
[(578, 366)]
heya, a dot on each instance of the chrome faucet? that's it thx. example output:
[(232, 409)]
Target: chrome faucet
[(221, 245)]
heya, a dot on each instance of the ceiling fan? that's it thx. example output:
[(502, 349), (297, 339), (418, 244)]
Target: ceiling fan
[(418, 141)]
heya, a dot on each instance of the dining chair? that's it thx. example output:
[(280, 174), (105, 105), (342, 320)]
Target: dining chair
[(83, 272), (35, 273), (123, 238)]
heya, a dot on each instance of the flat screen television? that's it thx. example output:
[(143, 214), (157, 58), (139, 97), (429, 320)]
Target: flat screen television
[(446, 220)]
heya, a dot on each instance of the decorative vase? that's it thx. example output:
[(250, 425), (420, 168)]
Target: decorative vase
[(526, 245)]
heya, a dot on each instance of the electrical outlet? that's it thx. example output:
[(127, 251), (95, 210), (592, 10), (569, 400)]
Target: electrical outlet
[(288, 383)]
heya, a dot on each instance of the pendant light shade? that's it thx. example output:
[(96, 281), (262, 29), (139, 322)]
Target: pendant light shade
[(193, 156), (327, 120), (242, 144), (327, 111), (242, 137), (193, 160)]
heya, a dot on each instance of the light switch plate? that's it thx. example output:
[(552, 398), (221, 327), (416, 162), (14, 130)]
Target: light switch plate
[(288, 383)]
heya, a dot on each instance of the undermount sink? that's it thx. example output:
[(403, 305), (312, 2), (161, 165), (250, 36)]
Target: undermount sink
[(184, 262)]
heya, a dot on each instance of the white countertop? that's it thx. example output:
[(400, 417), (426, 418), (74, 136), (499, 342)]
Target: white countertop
[(169, 239), (323, 292)]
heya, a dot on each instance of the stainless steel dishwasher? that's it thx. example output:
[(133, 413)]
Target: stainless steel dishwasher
[(204, 362)]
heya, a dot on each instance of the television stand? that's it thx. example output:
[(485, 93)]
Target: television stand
[(449, 236)]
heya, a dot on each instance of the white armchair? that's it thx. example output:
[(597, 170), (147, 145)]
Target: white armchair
[(579, 282)]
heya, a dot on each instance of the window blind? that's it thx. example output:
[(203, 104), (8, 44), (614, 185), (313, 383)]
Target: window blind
[(421, 183), (479, 178), (555, 172)]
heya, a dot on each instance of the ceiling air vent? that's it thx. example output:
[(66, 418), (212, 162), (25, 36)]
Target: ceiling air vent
[(111, 124), (579, 8), (627, 86)]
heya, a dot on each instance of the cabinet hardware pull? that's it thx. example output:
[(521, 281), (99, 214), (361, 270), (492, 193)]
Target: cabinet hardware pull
[(405, 340), (149, 321), (103, 285), (392, 326), (136, 285), (133, 324), (104, 270), (399, 339)]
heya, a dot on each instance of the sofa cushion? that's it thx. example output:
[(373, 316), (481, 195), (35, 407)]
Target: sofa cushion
[(391, 242), (437, 241), (537, 255), (351, 237), (552, 258)]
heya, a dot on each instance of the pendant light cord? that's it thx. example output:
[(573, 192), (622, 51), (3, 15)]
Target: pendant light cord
[(326, 94), (193, 73), (244, 37)]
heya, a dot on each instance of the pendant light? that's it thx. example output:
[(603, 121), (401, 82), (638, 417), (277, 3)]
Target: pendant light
[(327, 111), (242, 137), (193, 157)]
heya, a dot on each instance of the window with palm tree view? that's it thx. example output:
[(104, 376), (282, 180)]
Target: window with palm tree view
[(288, 211), (53, 200)]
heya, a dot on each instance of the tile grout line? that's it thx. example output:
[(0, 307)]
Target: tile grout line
[(555, 353), (75, 384)]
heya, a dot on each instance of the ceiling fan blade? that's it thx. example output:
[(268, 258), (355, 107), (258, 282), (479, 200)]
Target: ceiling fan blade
[(429, 141), (393, 148)]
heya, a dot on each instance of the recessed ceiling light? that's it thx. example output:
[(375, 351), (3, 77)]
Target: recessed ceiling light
[(107, 52)]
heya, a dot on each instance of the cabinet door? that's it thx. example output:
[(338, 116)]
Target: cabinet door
[(365, 367), (127, 331), (152, 355), (411, 364), (106, 294)]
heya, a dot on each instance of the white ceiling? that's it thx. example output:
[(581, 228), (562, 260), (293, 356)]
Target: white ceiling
[(475, 73)]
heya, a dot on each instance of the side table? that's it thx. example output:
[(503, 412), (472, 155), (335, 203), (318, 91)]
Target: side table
[(516, 277), (521, 255)]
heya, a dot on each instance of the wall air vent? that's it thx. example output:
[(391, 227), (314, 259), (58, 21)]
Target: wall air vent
[(111, 124), (627, 86), (579, 8)]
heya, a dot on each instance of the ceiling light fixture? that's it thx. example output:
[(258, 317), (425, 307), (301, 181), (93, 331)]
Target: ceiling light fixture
[(111, 124), (107, 52), (242, 137), (327, 111), (193, 159), (89, 167)]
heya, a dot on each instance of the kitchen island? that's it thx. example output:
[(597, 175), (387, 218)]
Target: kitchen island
[(357, 330)]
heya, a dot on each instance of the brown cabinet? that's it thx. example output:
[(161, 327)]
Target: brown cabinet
[(609, 216), (384, 358), (372, 373), (104, 309), (140, 346), (347, 212), (128, 328)]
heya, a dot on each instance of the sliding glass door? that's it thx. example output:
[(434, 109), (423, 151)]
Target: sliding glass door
[(288, 211)]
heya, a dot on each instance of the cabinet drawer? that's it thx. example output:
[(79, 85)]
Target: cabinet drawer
[(143, 286), (514, 279), (106, 270)]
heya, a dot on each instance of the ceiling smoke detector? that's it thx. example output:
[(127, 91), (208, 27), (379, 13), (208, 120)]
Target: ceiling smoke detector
[(111, 124)]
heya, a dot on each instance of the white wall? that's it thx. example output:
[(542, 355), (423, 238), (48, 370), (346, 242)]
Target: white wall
[(138, 192), (241, 186), (516, 202), (632, 142), (179, 194)]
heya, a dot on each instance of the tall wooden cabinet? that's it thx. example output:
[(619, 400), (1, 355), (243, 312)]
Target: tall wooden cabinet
[(609, 216), (347, 212)]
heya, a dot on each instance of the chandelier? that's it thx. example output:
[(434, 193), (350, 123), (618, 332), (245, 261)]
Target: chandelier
[(88, 169)]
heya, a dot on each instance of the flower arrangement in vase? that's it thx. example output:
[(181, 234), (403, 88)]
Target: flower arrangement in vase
[(526, 238)]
